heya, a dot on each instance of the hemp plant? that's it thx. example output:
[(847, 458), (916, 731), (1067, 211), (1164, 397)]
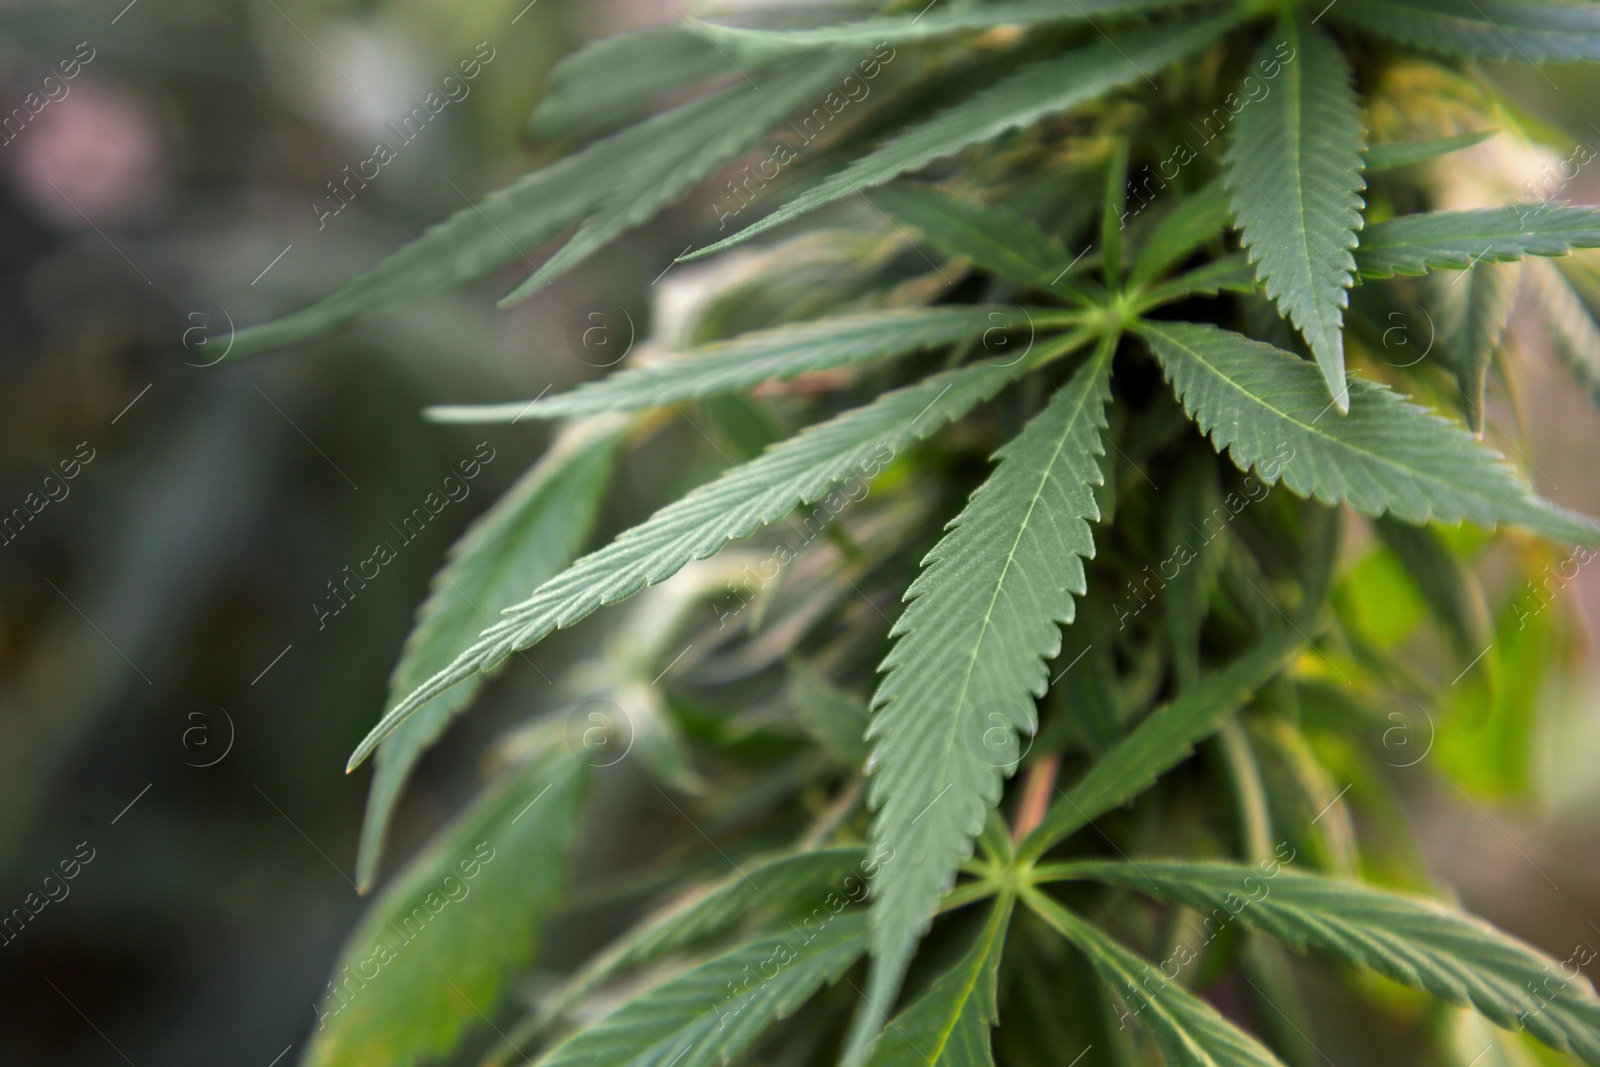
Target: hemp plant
[(1104, 463)]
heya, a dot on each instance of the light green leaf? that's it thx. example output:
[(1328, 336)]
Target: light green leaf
[(982, 621), (1160, 743), (1387, 456), (1048, 88), (1415, 942), (528, 535), (948, 1026), (1471, 313), (434, 949), (1199, 217), (1511, 30), (1190, 1032), (989, 235), (753, 358), (1455, 240), (1390, 155), (708, 1016), (852, 446), (1293, 171)]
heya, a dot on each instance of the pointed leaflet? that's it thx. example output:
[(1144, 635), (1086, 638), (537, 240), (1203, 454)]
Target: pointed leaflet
[(855, 446), (433, 951), (982, 620), (803, 881), (1392, 154), (927, 24), (1485, 29), (1190, 1032), (707, 1016), (1455, 240), (753, 358), (510, 223), (1416, 942), (610, 80), (607, 82), (1293, 171), (678, 166), (1160, 743), (1471, 314), (948, 1026), (1387, 456), (1048, 88), (1200, 217), (991, 236), (528, 535)]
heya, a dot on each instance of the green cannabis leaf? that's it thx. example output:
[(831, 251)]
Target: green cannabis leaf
[(1045, 434)]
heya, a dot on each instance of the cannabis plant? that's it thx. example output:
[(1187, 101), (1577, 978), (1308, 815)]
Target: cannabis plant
[(1017, 687)]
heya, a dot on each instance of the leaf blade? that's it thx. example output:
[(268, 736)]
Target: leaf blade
[(1191, 1032), (1455, 240), (797, 471), (744, 362), (1416, 942), (1483, 29), (530, 533), (945, 717), (1387, 456), (949, 1025), (1293, 173), (1024, 98), (1161, 742), (434, 962)]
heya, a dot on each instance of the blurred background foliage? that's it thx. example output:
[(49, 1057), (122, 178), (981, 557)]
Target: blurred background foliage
[(158, 640)]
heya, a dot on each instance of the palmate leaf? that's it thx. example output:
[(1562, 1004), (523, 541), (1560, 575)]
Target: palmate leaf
[(528, 535), (852, 446), (948, 1026), (1455, 240), (1160, 743), (1485, 29), (753, 358), (1416, 942), (433, 951), (1266, 407), (1042, 90), (1189, 1031), (982, 621), (510, 223), (707, 1016), (1293, 172), (989, 235)]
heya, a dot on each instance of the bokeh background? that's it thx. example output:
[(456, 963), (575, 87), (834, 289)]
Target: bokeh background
[(171, 705)]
